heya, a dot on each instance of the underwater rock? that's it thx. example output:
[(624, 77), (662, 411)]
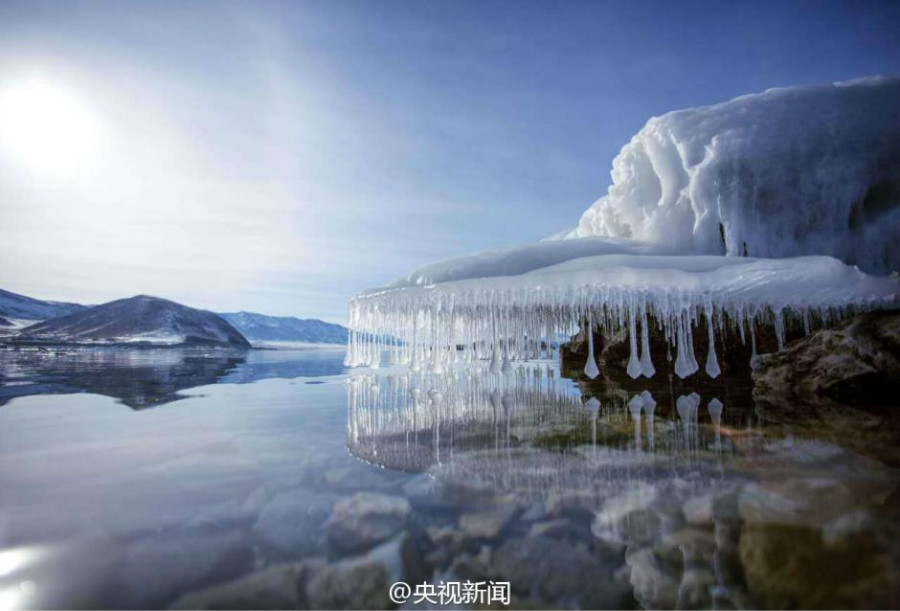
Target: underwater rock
[(155, 570), (561, 528), (358, 586), (487, 523), (277, 587), (290, 525), (362, 582), (654, 578), (365, 519), (698, 510), (557, 573), (856, 363), (792, 567)]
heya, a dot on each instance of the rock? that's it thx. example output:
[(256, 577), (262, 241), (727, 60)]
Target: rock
[(487, 523), (362, 582), (557, 573), (791, 567), (843, 528), (641, 527), (571, 503), (537, 511), (654, 579), (277, 587), (364, 520), (155, 570), (698, 510), (448, 542), (290, 525), (360, 586), (803, 501), (560, 529), (695, 591), (421, 489), (468, 567), (696, 544), (630, 517), (856, 362)]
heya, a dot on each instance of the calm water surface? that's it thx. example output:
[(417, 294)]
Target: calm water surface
[(130, 478)]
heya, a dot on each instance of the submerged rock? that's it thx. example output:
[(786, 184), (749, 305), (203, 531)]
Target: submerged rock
[(487, 523), (290, 525), (362, 582), (792, 567), (364, 520), (855, 363), (277, 587), (155, 570), (557, 573)]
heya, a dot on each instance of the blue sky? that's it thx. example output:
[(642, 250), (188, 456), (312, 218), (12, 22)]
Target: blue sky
[(282, 156)]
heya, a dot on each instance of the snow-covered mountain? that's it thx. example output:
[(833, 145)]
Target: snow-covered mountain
[(141, 319), (13, 305), (259, 327)]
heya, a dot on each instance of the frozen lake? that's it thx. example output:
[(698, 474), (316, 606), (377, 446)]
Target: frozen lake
[(136, 478)]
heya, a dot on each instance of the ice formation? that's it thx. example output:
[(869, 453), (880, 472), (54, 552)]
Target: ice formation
[(780, 174), (787, 172), (415, 421), (524, 316)]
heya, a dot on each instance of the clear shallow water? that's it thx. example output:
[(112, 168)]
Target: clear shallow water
[(130, 478)]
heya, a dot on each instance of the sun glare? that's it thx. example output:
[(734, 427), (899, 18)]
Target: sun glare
[(46, 127)]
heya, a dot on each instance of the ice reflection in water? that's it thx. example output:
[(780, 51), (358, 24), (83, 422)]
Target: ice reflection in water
[(580, 496), (688, 489)]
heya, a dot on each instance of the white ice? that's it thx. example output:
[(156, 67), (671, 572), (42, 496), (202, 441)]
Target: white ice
[(520, 317), (783, 173), (787, 172)]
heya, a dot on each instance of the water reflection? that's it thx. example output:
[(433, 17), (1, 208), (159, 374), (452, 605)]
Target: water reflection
[(590, 496), (689, 491), (144, 378), (414, 421)]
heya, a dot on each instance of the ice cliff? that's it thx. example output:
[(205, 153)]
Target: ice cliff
[(787, 172), (719, 220)]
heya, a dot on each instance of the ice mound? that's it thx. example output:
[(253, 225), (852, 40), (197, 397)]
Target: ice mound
[(428, 323), (782, 174), (787, 172)]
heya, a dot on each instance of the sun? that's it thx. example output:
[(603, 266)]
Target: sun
[(46, 127)]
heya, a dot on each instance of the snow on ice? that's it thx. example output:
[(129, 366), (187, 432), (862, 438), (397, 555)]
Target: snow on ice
[(785, 173)]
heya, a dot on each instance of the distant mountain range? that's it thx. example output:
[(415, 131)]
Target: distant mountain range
[(20, 306), (140, 319), (259, 327), (150, 320)]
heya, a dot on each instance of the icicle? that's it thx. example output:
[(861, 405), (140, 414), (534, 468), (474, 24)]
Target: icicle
[(689, 335), (590, 367), (712, 363), (682, 365), (779, 329), (635, 406), (593, 407), (752, 323), (634, 365), (646, 363), (649, 406), (715, 413)]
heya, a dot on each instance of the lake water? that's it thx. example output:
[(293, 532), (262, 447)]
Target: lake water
[(149, 478)]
